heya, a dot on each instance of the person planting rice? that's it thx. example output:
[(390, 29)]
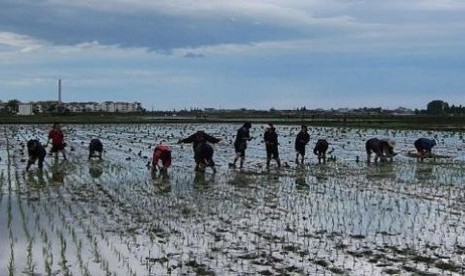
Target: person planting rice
[(240, 144), (320, 150), (95, 145), (301, 140), (381, 147), (424, 147), (57, 137), (203, 152), (36, 152), (271, 145), (161, 153)]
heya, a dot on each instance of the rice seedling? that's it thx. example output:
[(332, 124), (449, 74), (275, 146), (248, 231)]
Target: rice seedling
[(334, 218)]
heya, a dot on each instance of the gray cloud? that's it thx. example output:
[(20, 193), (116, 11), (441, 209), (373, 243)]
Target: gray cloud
[(64, 25), (235, 53)]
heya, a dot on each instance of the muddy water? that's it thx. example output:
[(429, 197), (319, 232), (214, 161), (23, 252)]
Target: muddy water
[(344, 217)]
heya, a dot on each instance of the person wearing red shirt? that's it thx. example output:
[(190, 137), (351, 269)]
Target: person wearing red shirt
[(57, 137), (161, 153)]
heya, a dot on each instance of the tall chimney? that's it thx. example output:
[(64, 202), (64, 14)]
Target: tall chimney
[(59, 91)]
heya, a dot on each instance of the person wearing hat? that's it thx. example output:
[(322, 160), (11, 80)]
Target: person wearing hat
[(271, 145), (203, 152), (424, 147), (240, 144), (381, 147), (301, 140)]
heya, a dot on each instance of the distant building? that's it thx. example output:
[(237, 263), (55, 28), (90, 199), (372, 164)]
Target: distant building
[(25, 109), (126, 107), (76, 107), (107, 106), (91, 107), (403, 111)]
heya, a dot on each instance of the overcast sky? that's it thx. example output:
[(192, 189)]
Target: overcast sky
[(172, 54)]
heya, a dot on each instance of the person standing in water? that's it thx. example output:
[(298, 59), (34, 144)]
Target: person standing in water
[(240, 144), (301, 140), (57, 137), (271, 145)]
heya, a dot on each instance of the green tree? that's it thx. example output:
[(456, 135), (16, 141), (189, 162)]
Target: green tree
[(52, 108), (12, 106), (437, 107)]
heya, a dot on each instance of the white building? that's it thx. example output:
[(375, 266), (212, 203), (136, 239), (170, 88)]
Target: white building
[(107, 107), (77, 107), (74, 107), (91, 107), (127, 107), (25, 109)]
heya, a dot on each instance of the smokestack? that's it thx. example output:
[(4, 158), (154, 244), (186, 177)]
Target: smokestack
[(59, 91)]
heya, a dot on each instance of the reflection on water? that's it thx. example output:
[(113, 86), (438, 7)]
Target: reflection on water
[(161, 180), (203, 180), (424, 171), (36, 179), (95, 169), (343, 217), (59, 171)]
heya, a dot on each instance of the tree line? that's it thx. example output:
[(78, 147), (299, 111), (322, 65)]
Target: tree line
[(435, 107), (440, 107)]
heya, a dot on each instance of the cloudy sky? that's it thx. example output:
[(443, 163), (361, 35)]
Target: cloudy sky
[(172, 54)]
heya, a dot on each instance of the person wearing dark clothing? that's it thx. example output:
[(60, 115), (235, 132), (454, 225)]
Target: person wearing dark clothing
[(271, 144), (35, 151), (240, 144), (301, 140), (203, 152), (205, 156), (95, 145), (381, 147), (424, 147), (320, 150)]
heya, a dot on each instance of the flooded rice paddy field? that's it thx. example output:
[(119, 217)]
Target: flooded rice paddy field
[(113, 217)]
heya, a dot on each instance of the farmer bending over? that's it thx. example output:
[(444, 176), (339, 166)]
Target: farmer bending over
[(203, 152)]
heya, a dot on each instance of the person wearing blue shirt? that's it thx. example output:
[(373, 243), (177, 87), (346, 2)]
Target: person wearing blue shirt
[(424, 147)]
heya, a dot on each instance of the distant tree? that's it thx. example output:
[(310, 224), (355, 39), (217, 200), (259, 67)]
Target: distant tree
[(60, 108), (52, 108), (437, 107), (457, 109), (12, 106)]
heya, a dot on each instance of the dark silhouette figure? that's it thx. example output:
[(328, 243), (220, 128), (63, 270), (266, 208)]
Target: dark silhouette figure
[(203, 152), (95, 146), (301, 140), (320, 149), (35, 151), (383, 148)]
